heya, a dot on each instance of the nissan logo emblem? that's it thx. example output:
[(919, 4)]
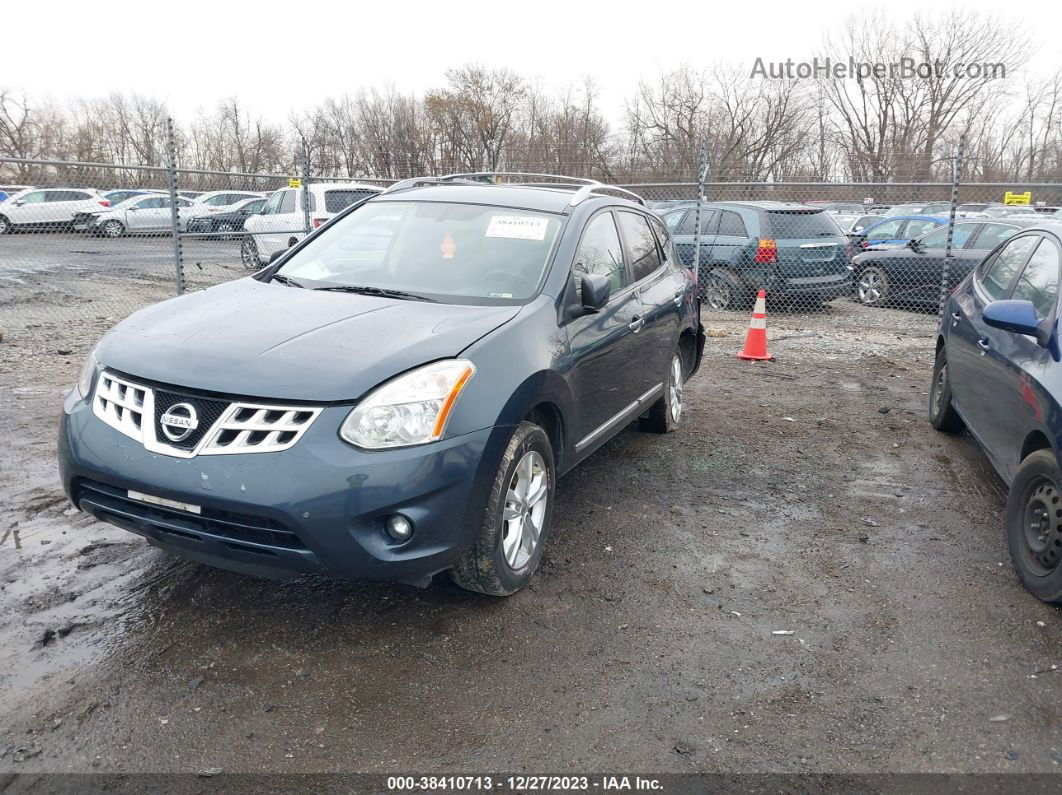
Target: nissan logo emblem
[(179, 422)]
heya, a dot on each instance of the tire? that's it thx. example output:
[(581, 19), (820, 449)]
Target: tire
[(113, 229), (942, 414), (872, 286), (1034, 526), (493, 565), (249, 254), (723, 291), (666, 414), (5, 226), (225, 228)]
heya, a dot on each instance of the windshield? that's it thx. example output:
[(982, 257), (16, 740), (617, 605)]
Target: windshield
[(459, 253)]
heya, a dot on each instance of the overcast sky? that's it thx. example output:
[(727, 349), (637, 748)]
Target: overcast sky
[(283, 56)]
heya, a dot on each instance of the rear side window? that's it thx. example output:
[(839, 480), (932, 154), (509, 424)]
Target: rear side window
[(337, 200), (730, 223), (1007, 263), (918, 228), (799, 226), (645, 257), (599, 252), (671, 220), (994, 234), (662, 236), (1039, 281)]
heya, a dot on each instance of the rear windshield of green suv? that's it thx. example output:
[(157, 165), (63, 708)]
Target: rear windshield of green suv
[(799, 226)]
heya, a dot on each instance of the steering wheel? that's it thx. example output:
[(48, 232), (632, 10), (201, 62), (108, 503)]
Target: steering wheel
[(523, 286)]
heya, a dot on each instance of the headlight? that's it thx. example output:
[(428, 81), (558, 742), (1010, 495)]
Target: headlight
[(88, 373), (411, 409)]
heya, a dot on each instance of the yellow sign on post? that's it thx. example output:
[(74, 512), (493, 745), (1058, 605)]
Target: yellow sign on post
[(1017, 198), (297, 183)]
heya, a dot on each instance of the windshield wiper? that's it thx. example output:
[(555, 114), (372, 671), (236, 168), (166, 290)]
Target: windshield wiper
[(380, 291), (277, 277)]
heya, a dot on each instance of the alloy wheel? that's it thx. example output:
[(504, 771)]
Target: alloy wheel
[(1043, 526), (5, 226), (112, 229), (249, 254), (870, 288), (717, 293), (675, 390), (938, 389), (525, 510)]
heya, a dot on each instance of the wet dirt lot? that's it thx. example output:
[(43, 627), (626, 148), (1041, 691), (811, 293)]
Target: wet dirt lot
[(807, 495)]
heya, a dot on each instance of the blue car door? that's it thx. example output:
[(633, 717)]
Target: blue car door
[(977, 353)]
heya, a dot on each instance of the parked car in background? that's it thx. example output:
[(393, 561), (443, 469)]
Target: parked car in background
[(894, 232), (190, 194), (918, 208), (845, 222), (11, 190), (137, 215), (282, 221), (217, 201), (48, 208), (228, 222), (789, 250), (862, 222), (118, 196), (397, 395), (840, 208), (998, 373), (913, 274), (667, 204), (1005, 210), (970, 209)]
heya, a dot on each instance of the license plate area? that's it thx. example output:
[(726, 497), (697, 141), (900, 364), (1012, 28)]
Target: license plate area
[(151, 499)]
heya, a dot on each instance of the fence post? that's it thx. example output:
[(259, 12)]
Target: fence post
[(702, 177), (956, 170), (175, 221), (306, 185)]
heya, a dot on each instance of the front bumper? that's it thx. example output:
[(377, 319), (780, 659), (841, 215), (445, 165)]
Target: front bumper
[(318, 507), (85, 222)]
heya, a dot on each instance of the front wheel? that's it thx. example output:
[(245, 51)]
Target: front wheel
[(249, 254), (516, 520), (872, 287), (664, 415), (1034, 526), (113, 229), (5, 225)]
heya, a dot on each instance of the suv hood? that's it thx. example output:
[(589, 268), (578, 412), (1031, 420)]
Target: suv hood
[(263, 340)]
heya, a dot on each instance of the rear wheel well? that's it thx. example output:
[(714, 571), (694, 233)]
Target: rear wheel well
[(687, 345), (940, 344), (1033, 442), (548, 417)]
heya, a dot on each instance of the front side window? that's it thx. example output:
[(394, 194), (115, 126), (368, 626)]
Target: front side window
[(645, 257), (709, 222), (885, 231), (253, 207), (1007, 263), (671, 220), (918, 228), (457, 253), (600, 252), (938, 238), (272, 206), (33, 198), (287, 202), (1039, 281)]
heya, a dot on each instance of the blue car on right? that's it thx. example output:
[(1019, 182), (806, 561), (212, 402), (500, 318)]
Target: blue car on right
[(998, 373)]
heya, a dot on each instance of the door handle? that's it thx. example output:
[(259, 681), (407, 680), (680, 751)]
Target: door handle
[(982, 343), (678, 298), (956, 316), (636, 324)]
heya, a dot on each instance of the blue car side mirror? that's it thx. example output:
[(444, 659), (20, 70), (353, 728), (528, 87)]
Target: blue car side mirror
[(1017, 316)]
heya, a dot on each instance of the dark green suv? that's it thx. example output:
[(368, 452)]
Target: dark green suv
[(786, 249)]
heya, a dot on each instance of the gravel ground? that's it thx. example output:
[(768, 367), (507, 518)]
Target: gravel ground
[(808, 496)]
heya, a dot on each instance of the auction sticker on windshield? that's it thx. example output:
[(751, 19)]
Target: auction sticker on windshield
[(517, 227)]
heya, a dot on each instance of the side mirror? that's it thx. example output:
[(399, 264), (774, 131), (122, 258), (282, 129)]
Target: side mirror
[(1017, 316), (595, 290), (913, 245), (276, 255)]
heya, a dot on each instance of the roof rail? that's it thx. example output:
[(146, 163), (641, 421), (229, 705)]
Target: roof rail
[(584, 187)]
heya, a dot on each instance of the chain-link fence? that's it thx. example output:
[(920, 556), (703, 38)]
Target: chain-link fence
[(82, 245)]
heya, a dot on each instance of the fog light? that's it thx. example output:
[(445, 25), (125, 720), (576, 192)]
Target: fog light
[(399, 527)]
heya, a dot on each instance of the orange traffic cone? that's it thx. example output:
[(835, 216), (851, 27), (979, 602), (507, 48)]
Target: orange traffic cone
[(756, 340)]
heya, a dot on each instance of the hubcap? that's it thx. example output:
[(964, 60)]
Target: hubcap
[(1043, 527), (675, 389), (250, 253), (717, 292), (870, 287), (525, 510), (938, 389), (113, 230)]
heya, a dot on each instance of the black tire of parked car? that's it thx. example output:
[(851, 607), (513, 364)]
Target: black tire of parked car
[(665, 415), (483, 568), (942, 414), (5, 225), (1034, 525), (723, 290), (249, 254), (113, 229), (872, 286)]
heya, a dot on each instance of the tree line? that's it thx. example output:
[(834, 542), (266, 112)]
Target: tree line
[(876, 128)]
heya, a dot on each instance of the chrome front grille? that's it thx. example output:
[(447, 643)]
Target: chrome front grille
[(231, 426)]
